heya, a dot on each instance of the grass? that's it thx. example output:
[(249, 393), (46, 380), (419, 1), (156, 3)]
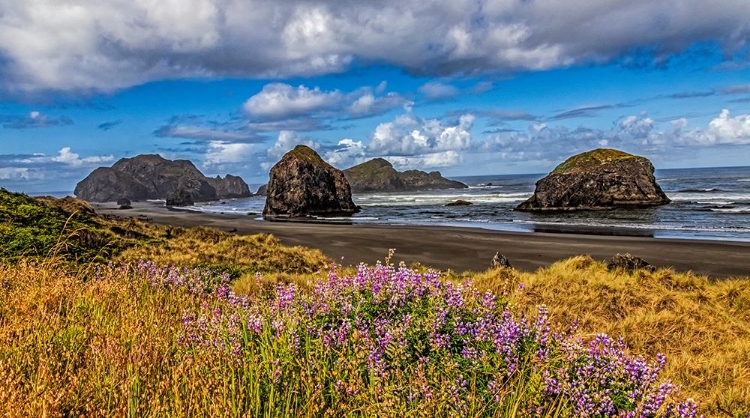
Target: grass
[(590, 159), (702, 326), (79, 336)]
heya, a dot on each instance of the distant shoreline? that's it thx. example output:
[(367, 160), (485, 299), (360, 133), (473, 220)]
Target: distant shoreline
[(461, 248)]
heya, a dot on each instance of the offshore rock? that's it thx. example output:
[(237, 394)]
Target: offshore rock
[(378, 175), (262, 190), (597, 180), (459, 202), (181, 197), (153, 177), (302, 184), (628, 262)]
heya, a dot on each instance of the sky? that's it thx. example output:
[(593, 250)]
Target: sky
[(465, 87)]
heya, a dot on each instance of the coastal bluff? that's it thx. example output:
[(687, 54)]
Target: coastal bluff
[(597, 180), (378, 175), (153, 177), (303, 184)]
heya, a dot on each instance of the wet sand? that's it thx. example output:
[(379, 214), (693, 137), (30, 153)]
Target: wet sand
[(462, 249)]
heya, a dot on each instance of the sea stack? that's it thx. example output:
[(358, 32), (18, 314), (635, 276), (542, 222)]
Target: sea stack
[(597, 180), (153, 177), (302, 184), (378, 175)]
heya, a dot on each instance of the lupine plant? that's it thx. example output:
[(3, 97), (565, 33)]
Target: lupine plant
[(389, 340)]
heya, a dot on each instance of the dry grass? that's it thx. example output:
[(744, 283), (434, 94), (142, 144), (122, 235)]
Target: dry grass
[(702, 326), (240, 255)]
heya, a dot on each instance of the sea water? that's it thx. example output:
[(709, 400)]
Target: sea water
[(707, 203)]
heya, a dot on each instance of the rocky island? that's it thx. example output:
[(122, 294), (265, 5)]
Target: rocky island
[(597, 180), (153, 177), (303, 184), (378, 175)]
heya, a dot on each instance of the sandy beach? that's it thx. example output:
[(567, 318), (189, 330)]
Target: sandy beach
[(461, 249)]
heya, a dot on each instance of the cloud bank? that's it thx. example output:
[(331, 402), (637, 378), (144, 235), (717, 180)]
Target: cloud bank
[(92, 45)]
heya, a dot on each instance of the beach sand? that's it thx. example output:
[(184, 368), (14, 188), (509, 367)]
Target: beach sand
[(461, 249)]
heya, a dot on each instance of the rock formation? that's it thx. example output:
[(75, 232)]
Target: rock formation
[(459, 202), (378, 175), (153, 177), (180, 197), (499, 260), (628, 262), (596, 180), (303, 184), (262, 190)]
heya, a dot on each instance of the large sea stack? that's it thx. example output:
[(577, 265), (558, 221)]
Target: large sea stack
[(597, 180), (302, 184), (378, 175), (153, 177)]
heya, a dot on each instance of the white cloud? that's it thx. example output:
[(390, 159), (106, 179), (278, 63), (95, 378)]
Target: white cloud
[(347, 153), (221, 154), (729, 130), (71, 158), (280, 101), (19, 173), (422, 143), (129, 42), (285, 142), (437, 90)]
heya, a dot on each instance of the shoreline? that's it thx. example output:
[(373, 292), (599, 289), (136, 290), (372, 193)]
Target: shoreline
[(461, 248)]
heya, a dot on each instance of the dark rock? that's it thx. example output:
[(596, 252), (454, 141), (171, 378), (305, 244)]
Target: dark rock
[(459, 202), (153, 177), (181, 197), (500, 260), (262, 190), (596, 180), (378, 175), (628, 262), (124, 203), (303, 184)]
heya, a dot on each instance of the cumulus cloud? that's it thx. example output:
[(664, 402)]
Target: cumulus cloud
[(281, 101), (125, 43), (347, 153), (422, 143), (723, 130), (68, 157), (279, 104), (220, 154), (285, 142), (34, 119), (38, 171)]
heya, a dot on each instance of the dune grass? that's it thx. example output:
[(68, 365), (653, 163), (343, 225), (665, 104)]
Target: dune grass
[(140, 340), (702, 326)]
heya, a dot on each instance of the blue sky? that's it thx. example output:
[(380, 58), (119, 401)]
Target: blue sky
[(466, 87)]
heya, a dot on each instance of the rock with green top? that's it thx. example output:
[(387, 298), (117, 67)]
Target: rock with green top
[(302, 184), (597, 180), (378, 175)]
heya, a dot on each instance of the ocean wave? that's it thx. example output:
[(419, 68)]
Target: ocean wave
[(702, 190), (733, 210), (744, 180)]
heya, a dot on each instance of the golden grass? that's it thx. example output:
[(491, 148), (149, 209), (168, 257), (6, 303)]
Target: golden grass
[(69, 342), (243, 255), (702, 326)]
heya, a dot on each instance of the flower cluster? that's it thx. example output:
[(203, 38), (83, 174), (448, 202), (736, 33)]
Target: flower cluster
[(392, 336)]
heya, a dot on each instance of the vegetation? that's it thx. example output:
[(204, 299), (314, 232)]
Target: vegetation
[(589, 159), (215, 324), (306, 153)]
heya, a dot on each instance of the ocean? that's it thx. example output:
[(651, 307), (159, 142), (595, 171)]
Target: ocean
[(707, 203)]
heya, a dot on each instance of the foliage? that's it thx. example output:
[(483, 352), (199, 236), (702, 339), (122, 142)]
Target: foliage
[(589, 159), (700, 325), (139, 340)]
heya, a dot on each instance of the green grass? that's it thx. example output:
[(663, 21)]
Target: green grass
[(591, 159)]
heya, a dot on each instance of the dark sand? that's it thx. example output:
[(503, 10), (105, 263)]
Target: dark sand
[(462, 249)]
